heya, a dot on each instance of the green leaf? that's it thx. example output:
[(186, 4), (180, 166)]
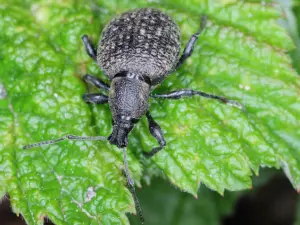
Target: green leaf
[(296, 35), (291, 11), (180, 208), (241, 55)]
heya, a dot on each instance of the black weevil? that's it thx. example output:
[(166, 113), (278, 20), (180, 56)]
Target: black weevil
[(137, 51)]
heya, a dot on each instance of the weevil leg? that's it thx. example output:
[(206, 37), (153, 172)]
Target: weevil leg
[(189, 93), (96, 82), (95, 98), (157, 133), (188, 50), (90, 49), (131, 188), (67, 137)]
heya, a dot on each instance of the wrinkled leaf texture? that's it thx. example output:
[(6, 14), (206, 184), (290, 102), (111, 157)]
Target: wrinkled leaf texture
[(241, 55)]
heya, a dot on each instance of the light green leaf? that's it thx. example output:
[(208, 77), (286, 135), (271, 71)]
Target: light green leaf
[(241, 55)]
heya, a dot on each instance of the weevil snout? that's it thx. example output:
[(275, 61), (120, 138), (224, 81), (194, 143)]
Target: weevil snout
[(119, 135)]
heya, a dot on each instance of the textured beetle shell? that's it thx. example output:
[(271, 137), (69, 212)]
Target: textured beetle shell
[(128, 97), (144, 41)]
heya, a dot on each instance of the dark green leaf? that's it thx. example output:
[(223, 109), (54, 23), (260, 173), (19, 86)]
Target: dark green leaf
[(180, 208)]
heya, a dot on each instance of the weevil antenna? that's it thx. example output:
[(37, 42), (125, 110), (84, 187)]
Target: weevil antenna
[(67, 137), (203, 23), (130, 184)]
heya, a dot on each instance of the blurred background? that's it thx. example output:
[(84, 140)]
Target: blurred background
[(272, 200)]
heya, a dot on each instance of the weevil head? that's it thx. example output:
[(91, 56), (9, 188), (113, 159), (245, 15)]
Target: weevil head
[(121, 128)]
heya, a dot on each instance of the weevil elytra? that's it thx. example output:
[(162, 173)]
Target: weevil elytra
[(136, 51)]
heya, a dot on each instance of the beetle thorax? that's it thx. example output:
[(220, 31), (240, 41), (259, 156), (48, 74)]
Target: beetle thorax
[(128, 96), (128, 101)]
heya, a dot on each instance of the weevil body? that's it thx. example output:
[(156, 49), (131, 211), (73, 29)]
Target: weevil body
[(136, 51)]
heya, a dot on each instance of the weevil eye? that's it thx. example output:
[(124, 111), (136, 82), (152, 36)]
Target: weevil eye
[(134, 121), (124, 120)]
